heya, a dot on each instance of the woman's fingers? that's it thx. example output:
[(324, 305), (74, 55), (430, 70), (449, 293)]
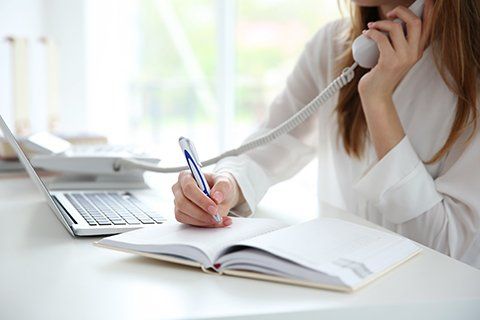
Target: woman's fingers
[(414, 23), (222, 189), (186, 206), (383, 43), (210, 179), (193, 193), (226, 221), (397, 37), (185, 218), (225, 192), (189, 200)]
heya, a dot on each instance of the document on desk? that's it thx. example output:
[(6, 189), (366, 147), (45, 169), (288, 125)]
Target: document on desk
[(324, 253)]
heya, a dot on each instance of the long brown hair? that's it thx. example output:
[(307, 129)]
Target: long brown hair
[(455, 42)]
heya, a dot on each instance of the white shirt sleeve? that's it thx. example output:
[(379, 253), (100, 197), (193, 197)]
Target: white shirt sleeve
[(442, 213), (259, 169)]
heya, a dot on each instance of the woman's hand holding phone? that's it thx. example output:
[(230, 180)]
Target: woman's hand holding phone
[(398, 51), (193, 207), (398, 54)]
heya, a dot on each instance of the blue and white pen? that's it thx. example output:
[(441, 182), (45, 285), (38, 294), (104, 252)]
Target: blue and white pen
[(190, 153)]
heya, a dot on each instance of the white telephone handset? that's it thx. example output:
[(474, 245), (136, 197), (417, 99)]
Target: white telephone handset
[(365, 53)]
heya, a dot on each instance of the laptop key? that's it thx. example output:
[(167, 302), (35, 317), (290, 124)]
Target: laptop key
[(111, 215), (113, 208), (144, 218), (130, 219), (104, 222), (139, 214), (155, 215), (133, 222)]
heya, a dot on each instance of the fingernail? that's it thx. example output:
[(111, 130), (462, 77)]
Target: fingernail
[(217, 218), (364, 31), (218, 196), (212, 210), (227, 221), (370, 24)]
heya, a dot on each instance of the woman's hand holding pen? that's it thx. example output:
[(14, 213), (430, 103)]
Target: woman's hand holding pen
[(193, 207)]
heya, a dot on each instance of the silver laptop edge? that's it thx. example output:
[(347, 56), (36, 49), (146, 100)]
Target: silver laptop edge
[(33, 175), (64, 210)]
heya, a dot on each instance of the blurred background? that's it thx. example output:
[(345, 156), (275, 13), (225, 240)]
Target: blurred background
[(145, 72)]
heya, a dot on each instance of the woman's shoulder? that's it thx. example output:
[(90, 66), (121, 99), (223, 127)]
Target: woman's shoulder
[(323, 49), (332, 36)]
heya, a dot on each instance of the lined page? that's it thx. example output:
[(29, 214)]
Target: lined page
[(171, 237), (336, 247)]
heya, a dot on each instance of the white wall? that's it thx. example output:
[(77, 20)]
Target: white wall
[(64, 22), (110, 59), (21, 18)]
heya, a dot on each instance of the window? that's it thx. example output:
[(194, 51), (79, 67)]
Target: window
[(206, 69), (148, 71)]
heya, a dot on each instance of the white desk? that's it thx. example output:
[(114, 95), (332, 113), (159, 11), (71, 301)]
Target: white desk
[(47, 274)]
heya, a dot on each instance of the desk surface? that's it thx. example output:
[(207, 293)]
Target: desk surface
[(47, 274)]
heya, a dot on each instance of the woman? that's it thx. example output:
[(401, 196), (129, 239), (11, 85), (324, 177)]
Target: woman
[(398, 146)]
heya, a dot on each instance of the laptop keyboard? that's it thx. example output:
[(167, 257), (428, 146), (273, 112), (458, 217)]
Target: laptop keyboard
[(110, 208)]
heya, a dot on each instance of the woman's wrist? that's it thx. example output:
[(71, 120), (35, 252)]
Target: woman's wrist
[(371, 102), (383, 123), (377, 103)]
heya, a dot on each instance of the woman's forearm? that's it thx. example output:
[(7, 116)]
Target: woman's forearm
[(384, 126), (398, 54)]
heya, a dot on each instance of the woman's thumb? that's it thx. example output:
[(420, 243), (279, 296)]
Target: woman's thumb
[(222, 189)]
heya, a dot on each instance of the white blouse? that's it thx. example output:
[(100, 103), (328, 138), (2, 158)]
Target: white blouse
[(435, 204)]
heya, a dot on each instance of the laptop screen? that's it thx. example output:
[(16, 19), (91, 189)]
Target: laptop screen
[(22, 153), (8, 135)]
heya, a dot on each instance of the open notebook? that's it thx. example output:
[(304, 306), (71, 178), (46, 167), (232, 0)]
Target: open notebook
[(324, 252)]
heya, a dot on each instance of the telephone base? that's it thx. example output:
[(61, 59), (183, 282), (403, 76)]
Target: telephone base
[(128, 181)]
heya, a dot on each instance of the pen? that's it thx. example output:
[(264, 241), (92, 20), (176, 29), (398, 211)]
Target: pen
[(190, 153)]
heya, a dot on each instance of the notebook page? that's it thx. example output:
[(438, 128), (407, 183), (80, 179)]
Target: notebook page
[(258, 261), (200, 244), (339, 248)]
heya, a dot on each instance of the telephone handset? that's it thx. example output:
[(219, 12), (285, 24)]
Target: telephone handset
[(365, 53)]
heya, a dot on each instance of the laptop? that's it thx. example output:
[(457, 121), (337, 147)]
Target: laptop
[(91, 212)]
